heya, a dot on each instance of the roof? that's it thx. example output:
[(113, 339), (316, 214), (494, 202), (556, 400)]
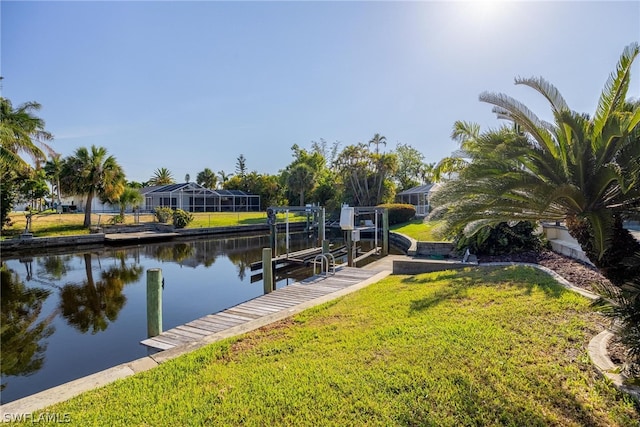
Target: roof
[(421, 189), (190, 187)]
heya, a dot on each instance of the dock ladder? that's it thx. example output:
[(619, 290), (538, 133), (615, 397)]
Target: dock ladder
[(326, 267)]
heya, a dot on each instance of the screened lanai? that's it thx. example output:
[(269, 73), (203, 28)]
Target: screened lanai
[(417, 196), (193, 197)]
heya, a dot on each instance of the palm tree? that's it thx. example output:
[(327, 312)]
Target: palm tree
[(377, 140), (130, 197), (301, 179), (21, 132), (162, 176), (207, 178), (466, 134), (583, 170), (53, 169), (92, 173), (224, 177)]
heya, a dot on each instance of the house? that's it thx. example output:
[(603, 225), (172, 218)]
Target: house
[(419, 197), (193, 197)]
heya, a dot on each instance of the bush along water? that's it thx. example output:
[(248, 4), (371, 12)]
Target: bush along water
[(163, 214), (399, 212), (181, 218)]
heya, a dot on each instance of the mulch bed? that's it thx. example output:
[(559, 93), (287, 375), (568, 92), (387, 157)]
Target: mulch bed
[(581, 275)]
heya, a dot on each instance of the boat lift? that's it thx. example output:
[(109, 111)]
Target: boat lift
[(322, 252)]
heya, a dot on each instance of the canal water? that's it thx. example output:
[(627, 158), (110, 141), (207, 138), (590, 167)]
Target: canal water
[(66, 316)]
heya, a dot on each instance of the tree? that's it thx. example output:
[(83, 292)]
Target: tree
[(241, 166), (224, 177), (130, 197), (466, 134), (411, 171), (33, 189), (579, 169), (53, 169), (207, 178), (365, 175), (329, 154), (301, 179), (21, 133), (92, 173), (377, 140), (162, 176)]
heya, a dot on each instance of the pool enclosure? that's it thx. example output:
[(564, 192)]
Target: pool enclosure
[(193, 197), (419, 197)]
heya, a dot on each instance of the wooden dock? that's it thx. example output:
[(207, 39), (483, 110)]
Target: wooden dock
[(140, 235), (280, 300)]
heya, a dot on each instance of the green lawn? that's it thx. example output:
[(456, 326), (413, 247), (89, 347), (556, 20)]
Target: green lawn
[(476, 347), (422, 231), (48, 224)]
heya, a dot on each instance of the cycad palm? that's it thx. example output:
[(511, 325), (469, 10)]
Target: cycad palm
[(578, 169)]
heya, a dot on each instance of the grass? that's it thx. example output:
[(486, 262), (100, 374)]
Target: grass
[(422, 231), (504, 346), (50, 223)]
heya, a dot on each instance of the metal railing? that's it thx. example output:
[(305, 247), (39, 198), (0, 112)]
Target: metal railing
[(325, 265)]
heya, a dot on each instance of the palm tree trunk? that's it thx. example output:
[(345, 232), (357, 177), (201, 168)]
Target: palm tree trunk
[(616, 263), (87, 211)]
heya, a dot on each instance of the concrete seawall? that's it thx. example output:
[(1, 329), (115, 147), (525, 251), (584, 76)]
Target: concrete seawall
[(19, 245)]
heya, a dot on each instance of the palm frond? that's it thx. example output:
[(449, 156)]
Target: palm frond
[(547, 90), (507, 107), (615, 89), (601, 223)]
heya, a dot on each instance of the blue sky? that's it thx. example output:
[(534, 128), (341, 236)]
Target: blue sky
[(191, 85)]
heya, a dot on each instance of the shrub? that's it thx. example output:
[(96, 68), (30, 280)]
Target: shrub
[(163, 214), (501, 239), (117, 219), (399, 212), (181, 218)]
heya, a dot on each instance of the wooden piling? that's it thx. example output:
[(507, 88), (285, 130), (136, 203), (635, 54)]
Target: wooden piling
[(154, 302), (385, 232), (267, 270)]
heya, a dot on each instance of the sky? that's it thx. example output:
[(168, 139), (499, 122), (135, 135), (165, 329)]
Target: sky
[(193, 85)]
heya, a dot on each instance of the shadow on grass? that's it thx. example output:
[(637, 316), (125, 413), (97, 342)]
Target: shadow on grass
[(527, 278)]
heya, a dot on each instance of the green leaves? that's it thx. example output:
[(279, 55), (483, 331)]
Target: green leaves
[(575, 167), (615, 90)]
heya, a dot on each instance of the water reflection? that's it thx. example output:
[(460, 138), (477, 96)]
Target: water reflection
[(22, 333), (54, 267), (91, 305), (69, 315)]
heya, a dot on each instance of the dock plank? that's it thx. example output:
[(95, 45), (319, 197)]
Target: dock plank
[(279, 300)]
